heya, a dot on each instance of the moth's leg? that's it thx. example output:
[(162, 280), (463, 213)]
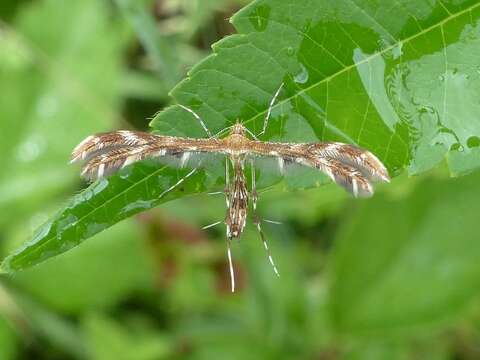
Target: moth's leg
[(273, 222), (178, 183), (227, 223), (270, 107), (199, 120), (227, 183), (225, 192), (230, 263), (258, 222), (212, 225)]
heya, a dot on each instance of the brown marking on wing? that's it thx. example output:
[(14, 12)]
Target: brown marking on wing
[(349, 166), (367, 163), (104, 142), (106, 153)]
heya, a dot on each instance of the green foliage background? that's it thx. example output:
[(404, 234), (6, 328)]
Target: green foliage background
[(393, 277)]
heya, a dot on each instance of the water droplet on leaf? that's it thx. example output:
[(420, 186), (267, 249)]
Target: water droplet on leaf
[(302, 76)]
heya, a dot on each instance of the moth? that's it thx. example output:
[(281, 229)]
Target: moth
[(349, 166)]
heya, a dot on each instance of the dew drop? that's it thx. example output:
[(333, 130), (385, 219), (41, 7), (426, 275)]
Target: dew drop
[(454, 147), (99, 186), (397, 51), (290, 51), (138, 205), (302, 76), (66, 222), (457, 147), (473, 142)]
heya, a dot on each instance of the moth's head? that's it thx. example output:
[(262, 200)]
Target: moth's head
[(238, 129)]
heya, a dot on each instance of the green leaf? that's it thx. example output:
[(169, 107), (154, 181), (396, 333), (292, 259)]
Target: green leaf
[(108, 339), (103, 204), (52, 96), (156, 46), (8, 340), (399, 79), (434, 349), (128, 269), (405, 264), (55, 329)]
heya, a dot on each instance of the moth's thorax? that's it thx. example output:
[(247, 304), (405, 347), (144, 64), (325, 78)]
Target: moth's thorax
[(237, 141)]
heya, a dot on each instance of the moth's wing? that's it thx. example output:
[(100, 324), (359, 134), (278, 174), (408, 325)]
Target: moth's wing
[(362, 160), (109, 162), (272, 169), (102, 143), (311, 169), (213, 163)]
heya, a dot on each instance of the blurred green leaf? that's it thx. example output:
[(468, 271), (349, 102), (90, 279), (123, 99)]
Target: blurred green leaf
[(118, 261), (401, 265), (142, 85), (410, 85), (157, 46), (8, 340), (269, 317), (109, 340), (53, 329), (58, 97), (385, 348), (378, 351)]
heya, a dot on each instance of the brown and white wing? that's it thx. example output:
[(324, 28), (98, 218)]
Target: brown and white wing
[(360, 159), (104, 142), (349, 166), (107, 153)]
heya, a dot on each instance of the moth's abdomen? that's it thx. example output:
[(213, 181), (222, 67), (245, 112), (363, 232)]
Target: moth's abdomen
[(237, 194)]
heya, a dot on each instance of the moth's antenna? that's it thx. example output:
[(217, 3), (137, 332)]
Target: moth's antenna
[(257, 222), (199, 120), (270, 107), (227, 183), (231, 126), (251, 133), (222, 131)]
